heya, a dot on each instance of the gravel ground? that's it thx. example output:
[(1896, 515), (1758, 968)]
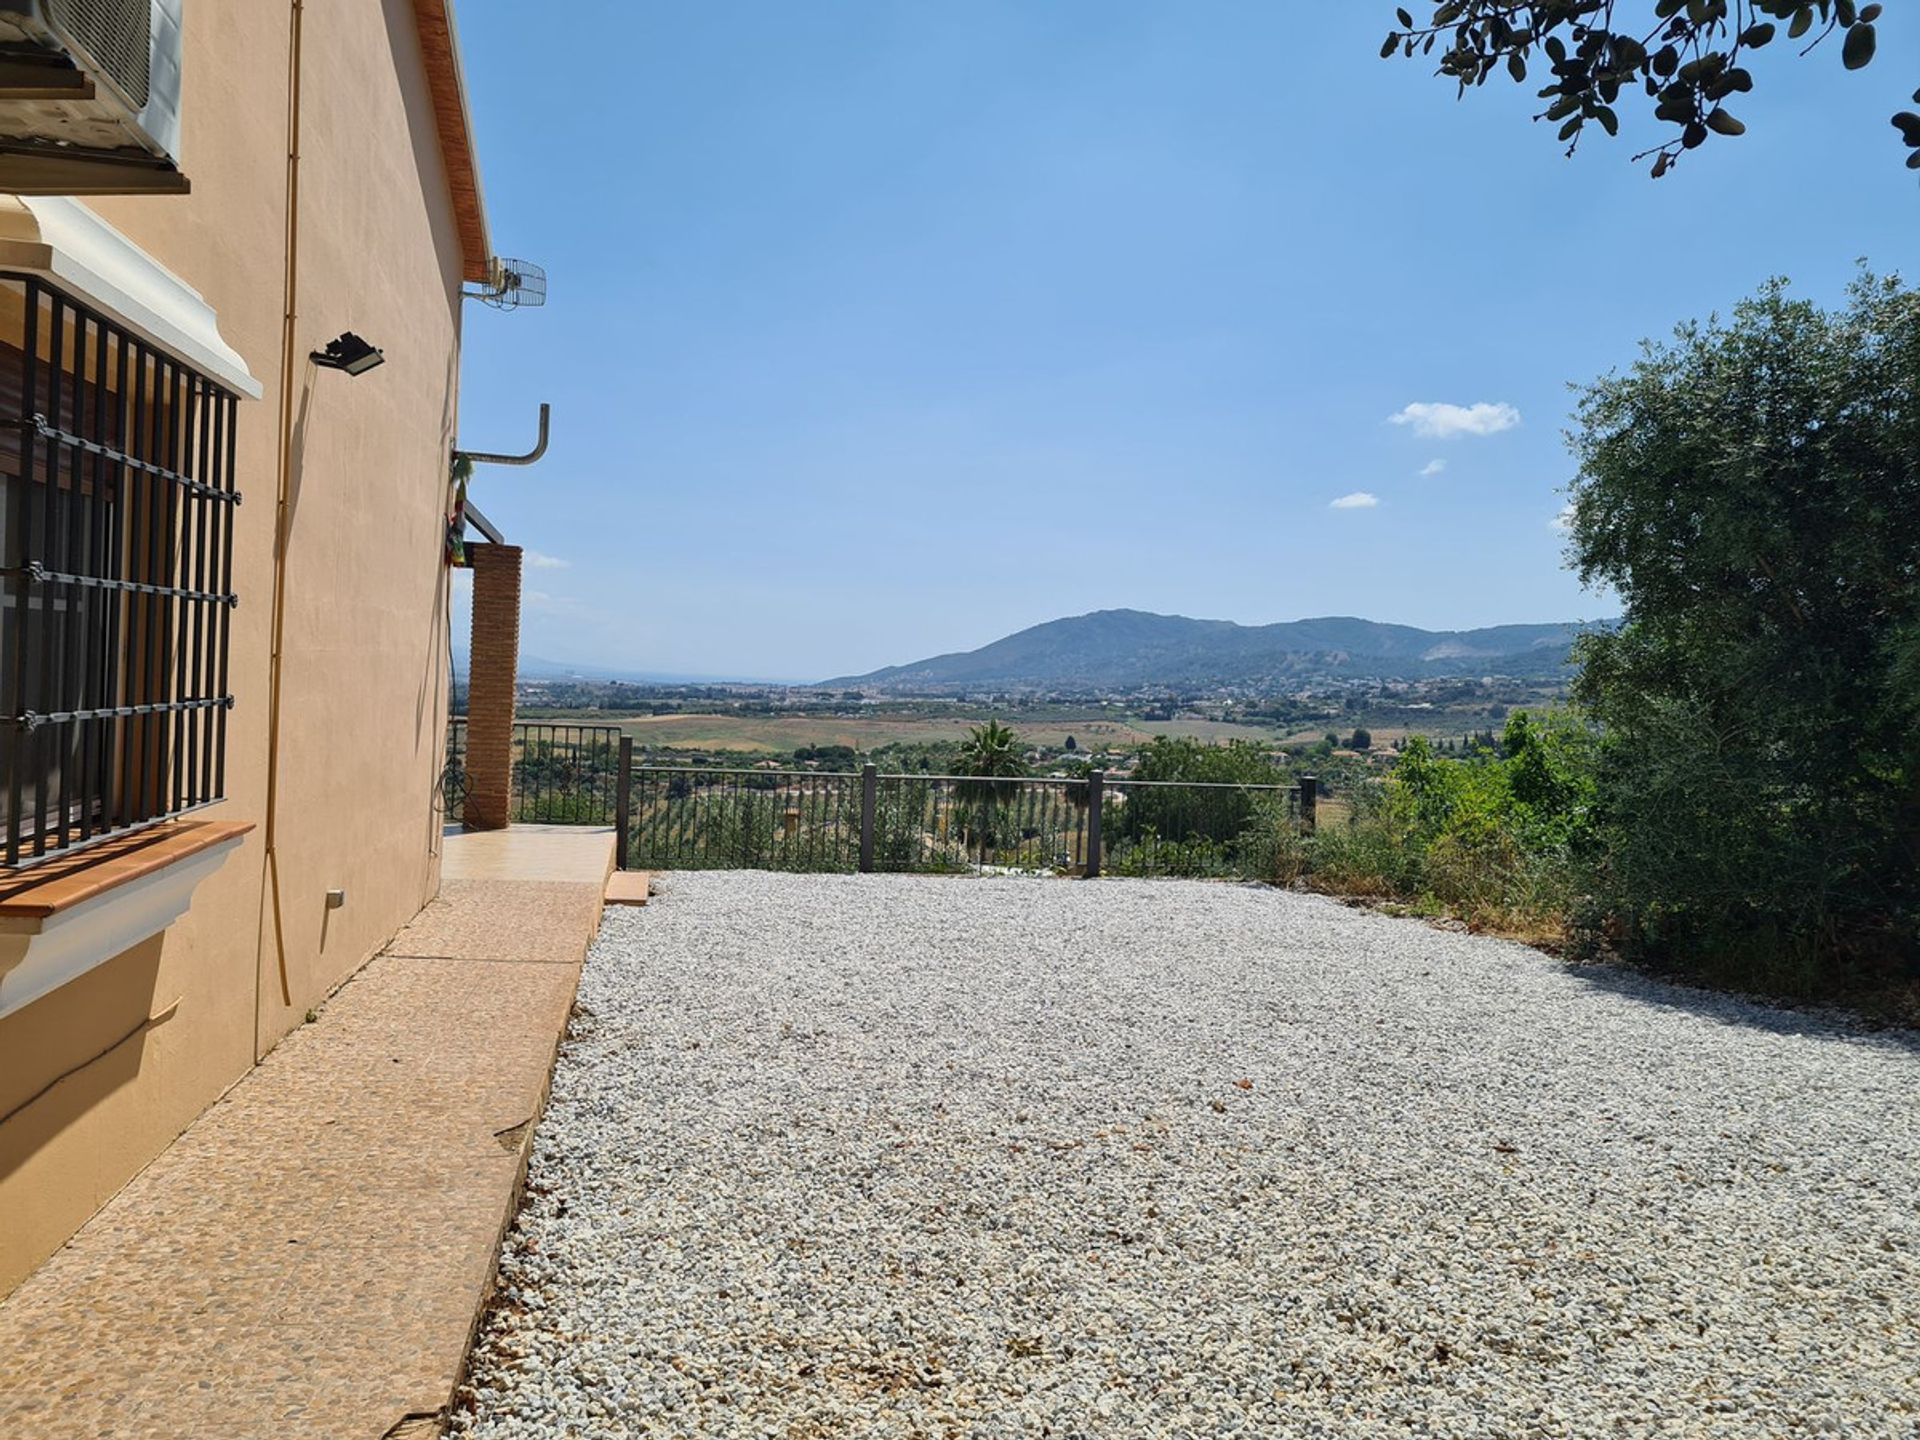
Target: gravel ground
[(903, 1157)]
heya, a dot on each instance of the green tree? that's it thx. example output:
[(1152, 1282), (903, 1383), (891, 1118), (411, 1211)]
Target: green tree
[(1207, 806), (1362, 739), (1687, 59), (991, 750), (1750, 491), (1550, 775), (994, 754), (828, 757)]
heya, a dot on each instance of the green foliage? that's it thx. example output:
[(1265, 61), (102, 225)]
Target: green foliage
[(916, 758), (1184, 815), (1239, 762), (683, 825), (1167, 829), (1190, 857), (993, 753), (1688, 59), (990, 749), (1750, 490), (565, 783), (837, 758), (1549, 771), (1273, 847), (906, 828), (1497, 841), (1372, 851)]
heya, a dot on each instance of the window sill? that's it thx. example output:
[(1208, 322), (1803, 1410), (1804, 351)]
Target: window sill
[(61, 919)]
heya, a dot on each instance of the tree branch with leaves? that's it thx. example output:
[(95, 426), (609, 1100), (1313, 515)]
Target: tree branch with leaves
[(1687, 58)]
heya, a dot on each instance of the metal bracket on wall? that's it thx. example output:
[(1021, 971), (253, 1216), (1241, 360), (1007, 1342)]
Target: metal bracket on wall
[(484, 457), (485, 526)]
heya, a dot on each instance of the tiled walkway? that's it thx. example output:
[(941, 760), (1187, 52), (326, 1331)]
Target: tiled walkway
[(308, 1258)]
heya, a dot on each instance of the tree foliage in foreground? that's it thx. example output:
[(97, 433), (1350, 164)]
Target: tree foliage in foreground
[(1686, 59), (1752, 492)]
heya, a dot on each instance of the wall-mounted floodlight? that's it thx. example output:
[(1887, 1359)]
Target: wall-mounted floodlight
[(348, 352)]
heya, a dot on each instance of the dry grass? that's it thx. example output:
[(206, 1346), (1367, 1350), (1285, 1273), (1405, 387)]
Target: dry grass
[(1542, 932)]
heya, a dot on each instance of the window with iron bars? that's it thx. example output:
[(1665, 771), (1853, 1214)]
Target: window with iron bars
[(117, 508)]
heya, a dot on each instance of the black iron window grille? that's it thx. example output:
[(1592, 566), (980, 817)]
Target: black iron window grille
[(116, 551)]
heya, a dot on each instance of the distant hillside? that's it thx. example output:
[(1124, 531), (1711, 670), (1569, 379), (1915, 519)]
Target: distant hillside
[(1131, 649)]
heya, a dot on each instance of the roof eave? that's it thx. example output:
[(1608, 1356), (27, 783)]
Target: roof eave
[(440, 53)]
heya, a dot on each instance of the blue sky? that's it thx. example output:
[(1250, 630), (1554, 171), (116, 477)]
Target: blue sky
[(879, 330)]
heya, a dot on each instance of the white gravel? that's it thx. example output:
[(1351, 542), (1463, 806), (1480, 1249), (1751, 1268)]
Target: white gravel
[(920, 1157)]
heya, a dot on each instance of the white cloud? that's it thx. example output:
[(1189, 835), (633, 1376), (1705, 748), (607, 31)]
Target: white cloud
[(1432, 468), (1358, 500), (537, 561), (1437, 420), (1563, 522)]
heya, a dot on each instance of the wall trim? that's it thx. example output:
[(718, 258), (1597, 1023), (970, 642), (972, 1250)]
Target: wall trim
[(39, 954)]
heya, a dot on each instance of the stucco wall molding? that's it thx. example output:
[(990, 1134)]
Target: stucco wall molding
[(58, 237)]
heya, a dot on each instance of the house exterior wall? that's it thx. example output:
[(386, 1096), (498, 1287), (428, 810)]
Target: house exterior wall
[(99, 1076)]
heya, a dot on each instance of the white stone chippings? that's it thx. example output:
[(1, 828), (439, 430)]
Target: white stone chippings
[(895, 1156)]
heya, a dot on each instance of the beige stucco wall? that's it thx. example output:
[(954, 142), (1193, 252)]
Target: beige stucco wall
[(364, 676)]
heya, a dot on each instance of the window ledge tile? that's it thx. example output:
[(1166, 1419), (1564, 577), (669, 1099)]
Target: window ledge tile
[(61, 919)]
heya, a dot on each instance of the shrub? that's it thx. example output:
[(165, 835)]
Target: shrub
[(1498, 842), (1750, 490), (1182, 815)]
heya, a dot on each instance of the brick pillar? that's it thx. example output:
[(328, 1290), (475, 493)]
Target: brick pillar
[(491, 666)]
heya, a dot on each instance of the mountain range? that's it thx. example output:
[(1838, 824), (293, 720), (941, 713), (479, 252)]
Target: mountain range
[(1121, 650)]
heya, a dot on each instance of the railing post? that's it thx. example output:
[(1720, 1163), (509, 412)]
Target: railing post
[(869, 793), (1309, 799), (622, 802), (1096, 784)]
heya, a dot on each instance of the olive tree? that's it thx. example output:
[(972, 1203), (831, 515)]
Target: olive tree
[(1751, 490)]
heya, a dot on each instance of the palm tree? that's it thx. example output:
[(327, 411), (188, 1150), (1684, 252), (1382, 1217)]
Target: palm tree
[(991, 749), (994, 753)]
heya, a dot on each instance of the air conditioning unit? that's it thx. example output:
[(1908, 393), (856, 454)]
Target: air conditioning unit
[(90, 97)]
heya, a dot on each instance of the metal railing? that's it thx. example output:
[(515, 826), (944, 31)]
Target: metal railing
[(705, 817), (562, 774), (710, 817), (697, 818), (1203, 828)]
